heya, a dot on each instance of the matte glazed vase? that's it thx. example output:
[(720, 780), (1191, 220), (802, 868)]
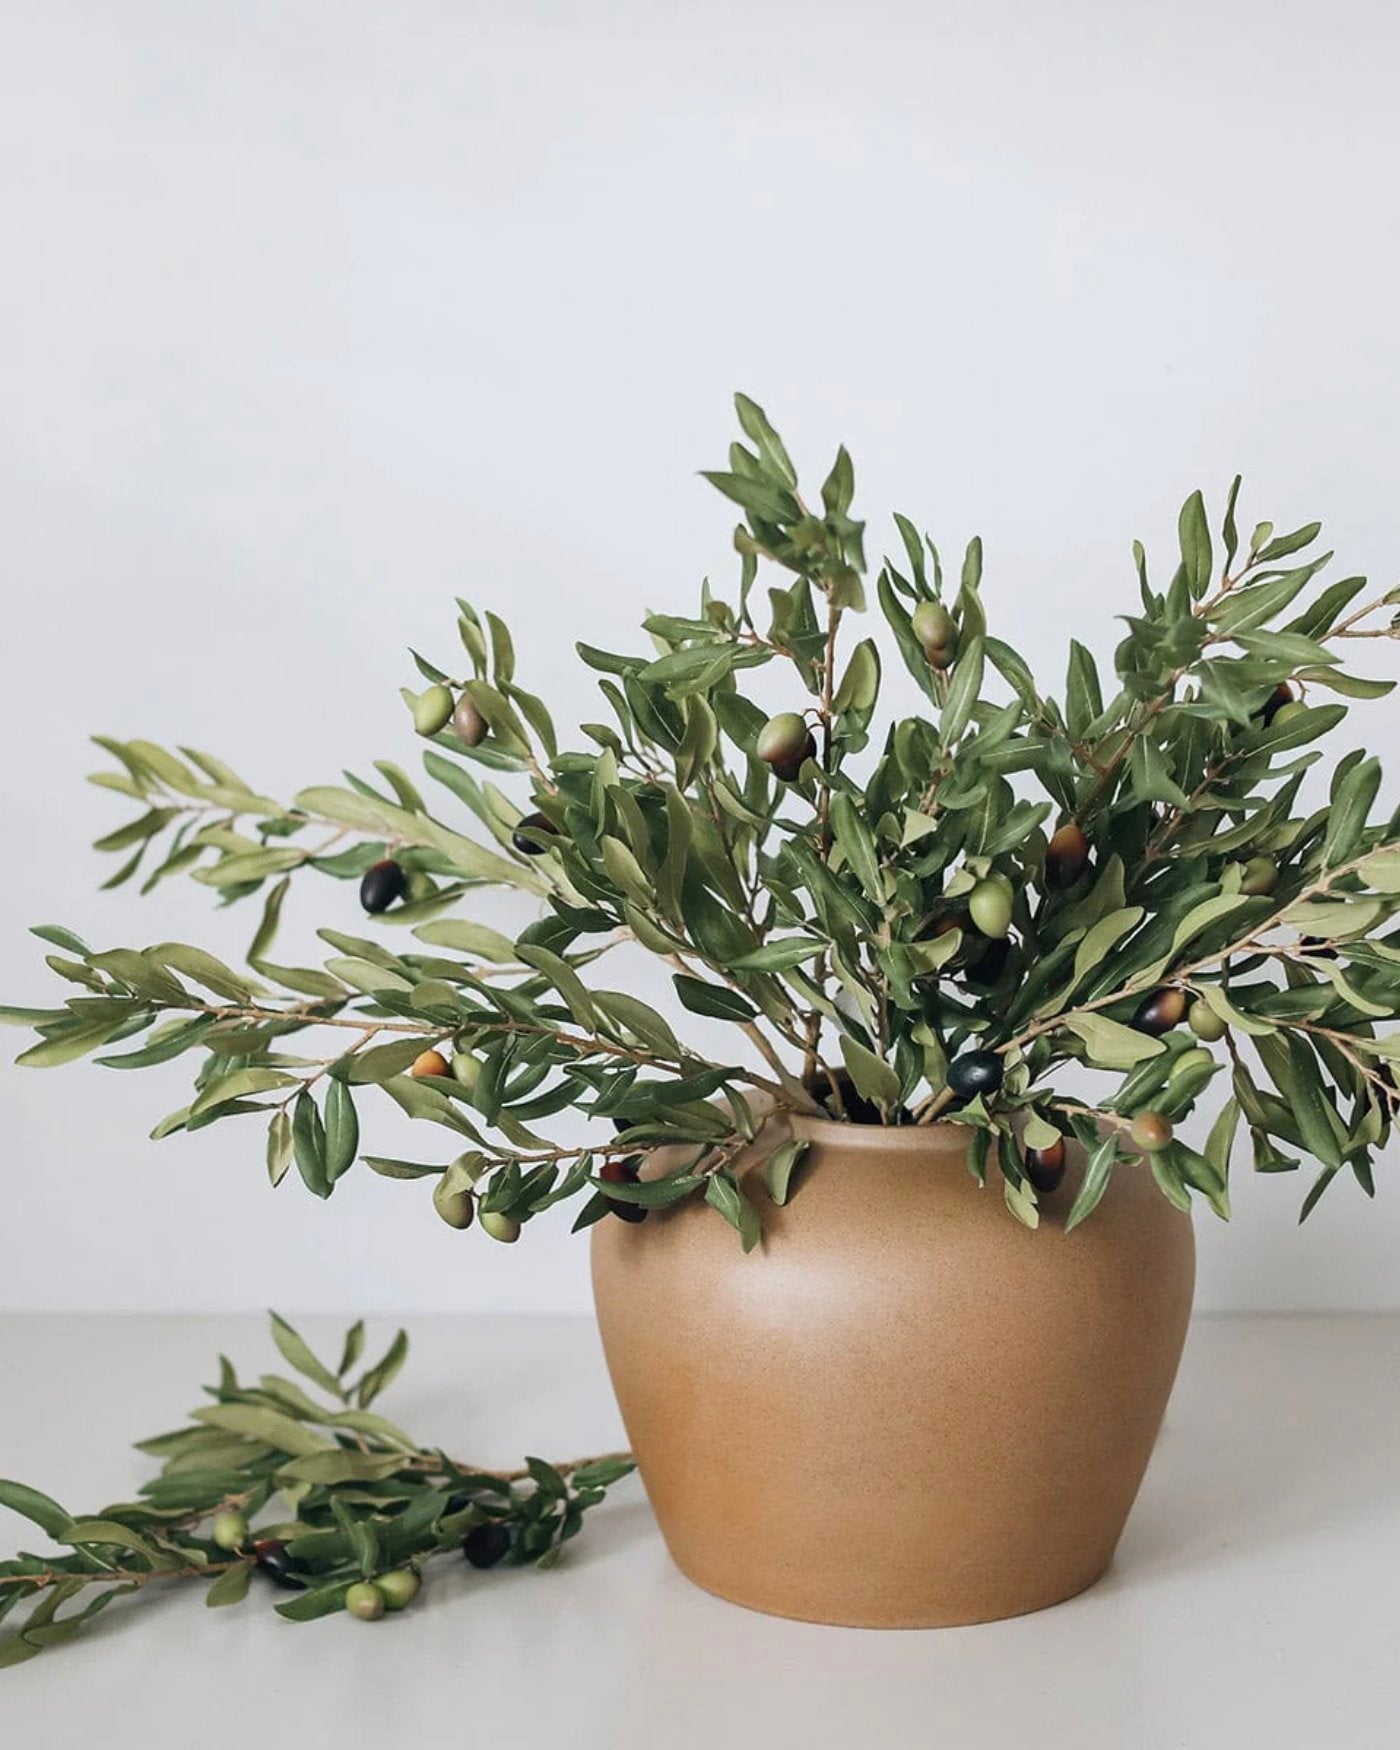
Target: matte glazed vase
[(903, 1409)]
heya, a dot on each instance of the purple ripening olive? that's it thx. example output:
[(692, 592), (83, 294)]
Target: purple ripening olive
[(1161, 1011), (467, 722), (623, 1172), (1066, 857), (1045, 1167)]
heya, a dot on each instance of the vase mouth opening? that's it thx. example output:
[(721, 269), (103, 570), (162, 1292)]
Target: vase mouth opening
[(941, 1136)]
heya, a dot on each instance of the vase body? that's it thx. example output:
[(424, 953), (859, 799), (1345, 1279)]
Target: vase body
[(903, 1409)]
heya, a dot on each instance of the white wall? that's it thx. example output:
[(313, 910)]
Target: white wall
[(313, 314)]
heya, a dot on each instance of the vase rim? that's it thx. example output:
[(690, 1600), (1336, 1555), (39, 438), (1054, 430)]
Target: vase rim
[(941, 1137)]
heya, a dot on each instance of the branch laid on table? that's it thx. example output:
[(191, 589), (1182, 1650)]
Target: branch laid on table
[(318, 1495)]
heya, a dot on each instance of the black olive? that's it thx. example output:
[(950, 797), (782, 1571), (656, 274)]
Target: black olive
[(271, 1558), (975, 1072), (989, 965), (383, 883), (530, 830), (1282, 695), (485, 1545)]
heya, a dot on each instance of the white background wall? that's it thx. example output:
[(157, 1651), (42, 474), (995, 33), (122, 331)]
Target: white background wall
[(314, 314)]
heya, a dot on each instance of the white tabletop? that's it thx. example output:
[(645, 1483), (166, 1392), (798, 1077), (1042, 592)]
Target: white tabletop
[(1252, 1601)]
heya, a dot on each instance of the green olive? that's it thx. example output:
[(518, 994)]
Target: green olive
[(989, 905), (504, 1228), (399, 1588), (455, 1204), (433, 711), (1150, 1132), (1196, 1058), (466, 1069), (364, 1600), (229, 1530), (1259, 877), (933, 627), (1287, 714), (1205, 1023)]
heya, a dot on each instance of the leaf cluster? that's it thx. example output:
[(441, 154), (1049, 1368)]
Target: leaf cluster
[(835, 914)]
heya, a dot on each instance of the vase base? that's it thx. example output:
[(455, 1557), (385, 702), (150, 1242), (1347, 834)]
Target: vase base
[(935, 1617)]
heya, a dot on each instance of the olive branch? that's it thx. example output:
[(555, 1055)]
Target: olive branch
[(900, 918), (363, 1507)]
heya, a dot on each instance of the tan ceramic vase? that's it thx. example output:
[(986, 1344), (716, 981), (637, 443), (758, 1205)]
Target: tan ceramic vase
[(903, 1409)]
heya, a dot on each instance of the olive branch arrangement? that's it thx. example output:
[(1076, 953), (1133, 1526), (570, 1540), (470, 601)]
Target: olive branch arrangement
[(368, 1508), (935, 915)]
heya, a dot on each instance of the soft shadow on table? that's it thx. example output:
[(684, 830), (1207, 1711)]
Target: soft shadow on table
[(1273, 1437)]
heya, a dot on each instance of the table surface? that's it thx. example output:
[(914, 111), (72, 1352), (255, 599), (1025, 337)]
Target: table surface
[(1251, 1603)]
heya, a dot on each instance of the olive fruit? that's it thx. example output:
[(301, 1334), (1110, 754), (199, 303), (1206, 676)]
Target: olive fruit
[(467, 722), (454, 1203), (1205, 1023), (1259, 877), (1066, 857), (1282, 695), (229, 1530), (782, 738), (786, 744), (364, 1600), (530, 830), (466, 1070), (271, 1558), (1196, 1058), (1150, 1132), (432, 710), (1045, 1167), (399, 1587), (383, 883), (1160, 1012), (504, 1228), (1288, 713), (989, 965), (623, 1172), (989, 904), (937, 636), (484, 1545), (975, 1072), (428, 1063)]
